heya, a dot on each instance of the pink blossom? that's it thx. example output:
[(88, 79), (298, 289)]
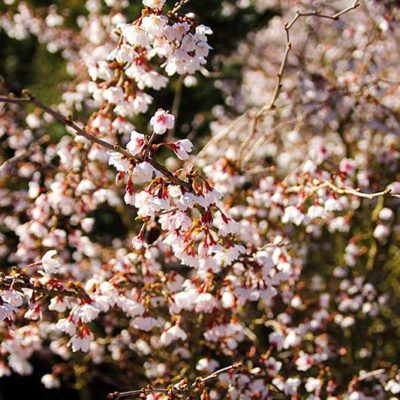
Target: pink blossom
[(154, 3), (162, 121), (136, 143), (51, 264), (182, 148)]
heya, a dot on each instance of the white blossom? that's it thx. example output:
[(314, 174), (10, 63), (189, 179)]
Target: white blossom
[(162, 121)]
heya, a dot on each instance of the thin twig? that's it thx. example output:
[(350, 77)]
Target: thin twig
[(20, 282), (220, 371), (358, 193), (294, 171), (247, 154), (176, 389), (371, 374), (284, 61), (344, 190), (120, 395), (29, 98), (178, 5), (220, 135)]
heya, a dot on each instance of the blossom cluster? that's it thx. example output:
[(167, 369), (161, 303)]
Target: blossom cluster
[(274, 247)]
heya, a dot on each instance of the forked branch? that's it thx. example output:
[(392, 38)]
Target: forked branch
[(287, 27), (257, 118)]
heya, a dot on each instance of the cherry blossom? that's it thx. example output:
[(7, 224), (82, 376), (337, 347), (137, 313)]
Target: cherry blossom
[(154, 3), (182, 148), (162, 121), (259, 259), (136, 143), (50, 263)]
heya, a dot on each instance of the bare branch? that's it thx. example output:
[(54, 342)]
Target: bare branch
[(253, 142), (284, 61), (178, 5), (225, 131), (148, 390), (21, 281)]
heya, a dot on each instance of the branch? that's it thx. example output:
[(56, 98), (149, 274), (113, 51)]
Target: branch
[(30, 99), (225, 131), (178, 5), (358, 193), (344, 190), (287, 28), (220, 371), (371, 374), (245, 153), (20, 281), (175, 389), (148, 390)]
